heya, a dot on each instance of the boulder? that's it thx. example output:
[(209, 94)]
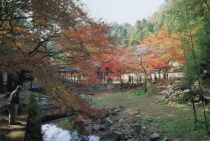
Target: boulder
[(79, 119), (123, 106), (137, 116), (138, 128), (108, 121), (178, 92), (115, 111), (96, 127), (165, 139), (118, 132), (154, 137), (122, 120), (132, 139), (186, 91), (111, 137)]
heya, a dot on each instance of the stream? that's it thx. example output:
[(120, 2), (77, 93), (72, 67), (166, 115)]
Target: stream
[(64, 130)]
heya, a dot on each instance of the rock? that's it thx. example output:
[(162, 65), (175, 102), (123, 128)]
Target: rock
[(136, 124), (167, 92), (92, 106), (154, 137), (137, 116), (118, 132), (144, 128), (111, 137), (176, 88), (196, 99), (138, 128), (122, 120), (96, 127), (102, 128), (177, 95), (198, 104), (150, 120), (87, 98), (144, 139), (178, 92), (165, 139), (108, 121), (110, 111), (108, 107), (123, 106), (88, 129), (132, 139), (186, 91), (163, 92), (79, 119), (115, 111)]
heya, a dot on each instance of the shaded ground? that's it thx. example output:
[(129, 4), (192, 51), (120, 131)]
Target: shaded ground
[(174, 121), (12, 132)]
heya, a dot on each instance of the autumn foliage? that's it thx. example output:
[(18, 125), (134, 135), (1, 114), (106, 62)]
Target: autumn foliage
[(165, 44), (153, 53)]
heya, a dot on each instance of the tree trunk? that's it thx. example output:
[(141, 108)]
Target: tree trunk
[(145, 81), (193, 106), (159, 74), (145, 73)]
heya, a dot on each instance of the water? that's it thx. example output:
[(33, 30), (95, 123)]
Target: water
[(52, 132)]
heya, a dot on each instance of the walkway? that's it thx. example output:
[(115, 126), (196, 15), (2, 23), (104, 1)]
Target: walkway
[(13, 132)]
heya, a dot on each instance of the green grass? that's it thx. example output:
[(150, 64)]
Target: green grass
[(138, 93), (183, 126), (176, 120), (122, 95), (105, 98)]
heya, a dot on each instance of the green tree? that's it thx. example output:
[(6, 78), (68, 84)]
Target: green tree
[(191, 19)]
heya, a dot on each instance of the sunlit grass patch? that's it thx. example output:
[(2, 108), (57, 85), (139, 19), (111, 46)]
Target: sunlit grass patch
[(106, 97), (123, 94), (139, 92)]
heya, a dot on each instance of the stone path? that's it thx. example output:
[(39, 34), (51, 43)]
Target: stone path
[(12, 132)]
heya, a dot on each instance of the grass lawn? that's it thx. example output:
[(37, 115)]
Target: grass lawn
[(175, 120)]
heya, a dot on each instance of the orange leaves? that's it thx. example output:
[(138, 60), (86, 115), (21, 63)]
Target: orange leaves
[(167, 46), (118, 64), (94, 34), (153, 53), (153, 63), (87, 46)]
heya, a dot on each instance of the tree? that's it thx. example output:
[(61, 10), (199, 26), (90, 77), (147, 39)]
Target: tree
[(30, 34), (120, 33), (166, 47), (189, 17), (89, 44), (27, 28)]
